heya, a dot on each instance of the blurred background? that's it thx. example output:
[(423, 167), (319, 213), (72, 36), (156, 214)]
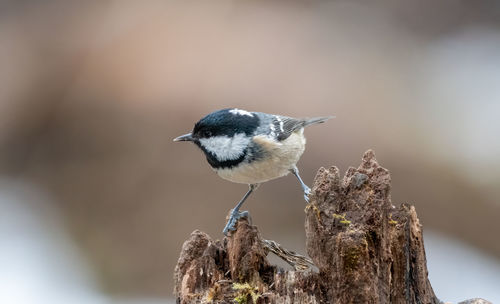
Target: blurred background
[(96, 200)]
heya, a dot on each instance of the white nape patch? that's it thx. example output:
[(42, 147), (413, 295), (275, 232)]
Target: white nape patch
[(240, 112), (281, 123), (226, 148)]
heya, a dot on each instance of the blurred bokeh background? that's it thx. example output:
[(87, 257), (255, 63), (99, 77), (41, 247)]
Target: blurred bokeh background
[(96, 199)]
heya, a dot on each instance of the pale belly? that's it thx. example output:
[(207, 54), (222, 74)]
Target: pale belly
[(282, 157)]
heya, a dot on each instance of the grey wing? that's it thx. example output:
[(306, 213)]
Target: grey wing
[(288, 125), (285, 126), (280, 127), (277, 127)]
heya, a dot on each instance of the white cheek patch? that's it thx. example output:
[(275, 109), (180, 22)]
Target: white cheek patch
[(240, 112), (226, 148)]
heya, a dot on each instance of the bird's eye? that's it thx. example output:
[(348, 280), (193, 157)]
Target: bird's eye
[(206, 133)]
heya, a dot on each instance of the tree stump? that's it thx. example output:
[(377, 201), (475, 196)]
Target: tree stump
[(365, 251)]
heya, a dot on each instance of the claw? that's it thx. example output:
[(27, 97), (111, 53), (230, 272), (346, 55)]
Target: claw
[(307, 192), (233, 219)]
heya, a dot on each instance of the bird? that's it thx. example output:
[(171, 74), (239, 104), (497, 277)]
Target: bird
[(251, 148)]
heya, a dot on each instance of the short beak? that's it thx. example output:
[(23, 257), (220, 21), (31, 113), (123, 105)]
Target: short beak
[(185, 137)]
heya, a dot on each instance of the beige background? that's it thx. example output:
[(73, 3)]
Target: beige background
[(92, 94)]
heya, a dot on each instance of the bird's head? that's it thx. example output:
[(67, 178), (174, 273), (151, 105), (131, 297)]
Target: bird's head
[(223, 135)]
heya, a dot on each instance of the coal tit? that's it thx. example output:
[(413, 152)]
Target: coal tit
[(251, 148)]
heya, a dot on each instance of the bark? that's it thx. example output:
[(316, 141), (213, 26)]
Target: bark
[(364, 250)]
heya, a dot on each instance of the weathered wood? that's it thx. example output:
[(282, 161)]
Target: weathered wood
[(365, 250)]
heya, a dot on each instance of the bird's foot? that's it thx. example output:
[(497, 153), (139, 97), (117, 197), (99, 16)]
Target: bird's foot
[(233, 219), (307, 192)]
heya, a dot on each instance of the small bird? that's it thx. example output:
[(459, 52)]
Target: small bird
[(251, 148)]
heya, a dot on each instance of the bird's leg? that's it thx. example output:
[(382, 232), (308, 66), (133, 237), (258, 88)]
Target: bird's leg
[(306, 189), (236, 214)]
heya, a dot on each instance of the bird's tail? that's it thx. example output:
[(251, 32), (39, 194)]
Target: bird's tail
[(316, 120)]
